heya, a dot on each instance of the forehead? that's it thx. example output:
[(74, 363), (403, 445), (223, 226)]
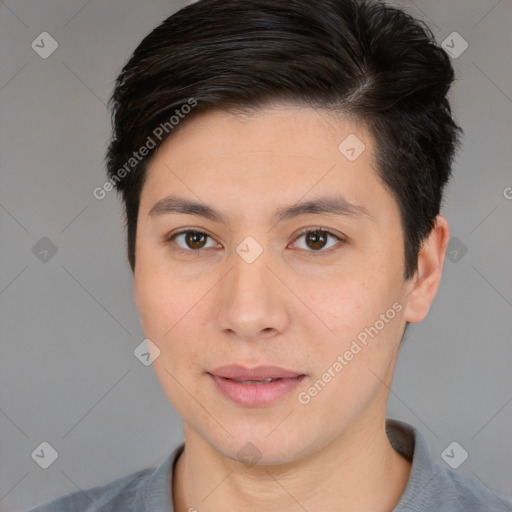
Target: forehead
[(283, 128), (277, 155)]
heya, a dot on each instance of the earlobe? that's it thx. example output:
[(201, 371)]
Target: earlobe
[(425, 283)]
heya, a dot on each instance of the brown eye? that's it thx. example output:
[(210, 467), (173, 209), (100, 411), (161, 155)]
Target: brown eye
[(195, 239), (317, 241), (190, 241)]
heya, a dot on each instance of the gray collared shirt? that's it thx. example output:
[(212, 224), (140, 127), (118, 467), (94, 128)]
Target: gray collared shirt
[(431, 486)]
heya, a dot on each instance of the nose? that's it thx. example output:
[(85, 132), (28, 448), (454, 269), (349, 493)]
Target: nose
[(253, 301)]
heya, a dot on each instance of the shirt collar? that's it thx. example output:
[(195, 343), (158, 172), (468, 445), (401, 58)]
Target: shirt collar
[(157, 495), (410, 443)]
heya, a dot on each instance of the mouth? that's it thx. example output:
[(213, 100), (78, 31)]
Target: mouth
[(270, 379), (260, 386), (260, 373)]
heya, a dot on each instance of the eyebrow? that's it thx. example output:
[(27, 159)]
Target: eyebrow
[(336, 205)]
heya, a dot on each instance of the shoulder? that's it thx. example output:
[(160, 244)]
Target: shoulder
[(456, 492), (148, 489), (121, 494), (433, 487)]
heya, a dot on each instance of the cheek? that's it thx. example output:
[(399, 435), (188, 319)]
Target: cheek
[(172, 315), (362, 310), (351, 366), (344, 303), (166, 308), (151, 300), (160, 303)]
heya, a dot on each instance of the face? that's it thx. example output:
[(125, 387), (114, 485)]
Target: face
[(248, 287)]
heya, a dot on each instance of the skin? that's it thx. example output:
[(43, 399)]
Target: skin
[(287, 308)]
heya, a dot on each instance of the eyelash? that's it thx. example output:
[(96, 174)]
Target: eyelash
[(197, 252)]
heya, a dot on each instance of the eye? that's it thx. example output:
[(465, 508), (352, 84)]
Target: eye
[(317, 239), (193, 241)]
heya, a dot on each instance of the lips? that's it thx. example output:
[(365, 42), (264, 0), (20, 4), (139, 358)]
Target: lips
[(258, 374), (255, 387)]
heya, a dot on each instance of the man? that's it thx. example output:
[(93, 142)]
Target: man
[(282, 165)]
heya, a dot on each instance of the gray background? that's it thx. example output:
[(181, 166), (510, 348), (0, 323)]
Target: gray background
[(69, 326)]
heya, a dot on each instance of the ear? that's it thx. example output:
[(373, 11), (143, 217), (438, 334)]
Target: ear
[(425, 282)]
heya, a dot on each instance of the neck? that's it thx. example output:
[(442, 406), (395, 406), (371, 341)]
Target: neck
[(358, 470)]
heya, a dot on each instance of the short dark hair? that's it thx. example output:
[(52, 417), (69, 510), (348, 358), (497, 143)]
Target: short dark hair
[(359, 58)]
